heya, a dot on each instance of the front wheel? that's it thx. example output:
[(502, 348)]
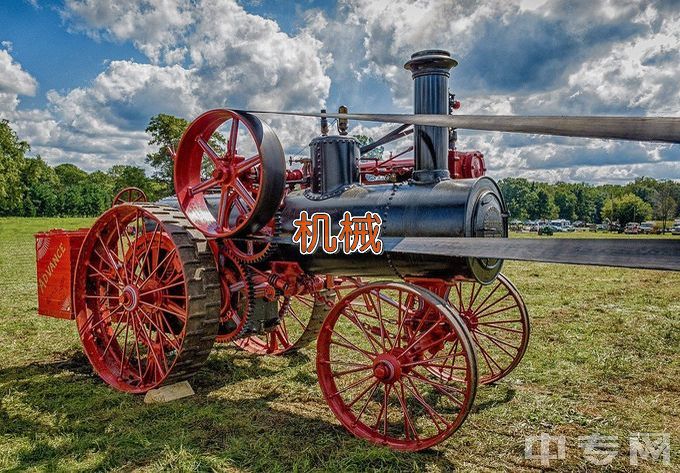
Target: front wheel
[(375, 355)]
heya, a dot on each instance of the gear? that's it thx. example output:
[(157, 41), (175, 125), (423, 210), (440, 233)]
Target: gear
[(251, 250), (238, 297)]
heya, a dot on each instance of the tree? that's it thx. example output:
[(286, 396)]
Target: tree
[(627, 208), (565, 201), (70, 175), (166, 132), (41, 189), (665, 205), (123, 176), (545, 207), (12, 152), (520, 197), (374, 153)]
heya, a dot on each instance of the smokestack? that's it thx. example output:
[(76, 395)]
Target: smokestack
[(430, 70)]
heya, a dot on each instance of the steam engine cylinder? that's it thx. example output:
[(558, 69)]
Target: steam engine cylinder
[(450, 208), (335, 163)]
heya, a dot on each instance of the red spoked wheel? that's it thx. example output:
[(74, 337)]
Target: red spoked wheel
[(144, 297), (130, 195), (374, 374), (498, 322), (237, 298), (248, 178)]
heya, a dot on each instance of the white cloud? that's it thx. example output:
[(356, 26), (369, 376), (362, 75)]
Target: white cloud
[(13, 79), (516, 57), (236, 59)]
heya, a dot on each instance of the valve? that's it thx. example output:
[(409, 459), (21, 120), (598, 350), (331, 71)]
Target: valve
[(342, 122)]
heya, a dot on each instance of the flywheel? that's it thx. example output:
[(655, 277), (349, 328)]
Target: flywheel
[(229, 188)]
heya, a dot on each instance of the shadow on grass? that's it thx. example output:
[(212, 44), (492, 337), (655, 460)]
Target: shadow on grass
[(59, 415)]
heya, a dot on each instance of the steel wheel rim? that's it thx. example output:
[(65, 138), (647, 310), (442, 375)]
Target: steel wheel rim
[(497, 319), (256, 195), (381, 367), (133, 290), (130, 195)]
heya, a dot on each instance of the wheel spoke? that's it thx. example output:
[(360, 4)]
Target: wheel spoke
[(248, 164), (204, 186), (233, 136), (210, 152), (243, 193)]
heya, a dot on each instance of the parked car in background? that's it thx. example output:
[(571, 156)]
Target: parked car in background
[(560, 225), (650, 228), (676, 229), (632, 228)]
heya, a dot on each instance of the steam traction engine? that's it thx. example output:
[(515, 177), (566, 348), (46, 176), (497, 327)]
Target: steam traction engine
[(398, 361)]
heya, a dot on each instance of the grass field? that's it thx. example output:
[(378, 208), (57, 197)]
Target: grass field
[(604, 358)]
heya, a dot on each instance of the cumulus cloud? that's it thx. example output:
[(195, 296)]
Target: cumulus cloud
[(13, 79), (216, 53), (516, 57), (529, 57)]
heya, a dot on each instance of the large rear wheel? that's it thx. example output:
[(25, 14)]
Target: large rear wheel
[(146, 297)]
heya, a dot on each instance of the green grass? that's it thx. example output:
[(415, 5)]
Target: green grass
[(604, 358)]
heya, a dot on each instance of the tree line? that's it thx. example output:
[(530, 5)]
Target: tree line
[(30, 187), (642, 199)]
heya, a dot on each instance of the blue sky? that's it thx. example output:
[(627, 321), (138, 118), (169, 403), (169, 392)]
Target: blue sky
[(79, 79)]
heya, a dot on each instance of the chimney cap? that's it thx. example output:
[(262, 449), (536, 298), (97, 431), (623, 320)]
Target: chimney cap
[(430, 61)]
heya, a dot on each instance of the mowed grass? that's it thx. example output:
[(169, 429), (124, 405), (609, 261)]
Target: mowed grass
[(603, 358)]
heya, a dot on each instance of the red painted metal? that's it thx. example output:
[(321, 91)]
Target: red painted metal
[(496, 317), (466, 164), (130, 195), (236, 298), (130, 299), (56, 255), (250, 188), (397, 168), (295, 313), (374, 355)]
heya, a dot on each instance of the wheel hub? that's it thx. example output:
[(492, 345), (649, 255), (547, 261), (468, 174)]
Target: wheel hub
[(130, 298), (387, 368), (471, 319)]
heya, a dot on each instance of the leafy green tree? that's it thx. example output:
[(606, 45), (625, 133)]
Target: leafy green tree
[(665, 205), (627, 208), (519, 197), (585, 207), (12, 152), (166, 131), (123, 176), (70, 174), (41, 188), (566, 202), (93, 199), (545, 207)]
